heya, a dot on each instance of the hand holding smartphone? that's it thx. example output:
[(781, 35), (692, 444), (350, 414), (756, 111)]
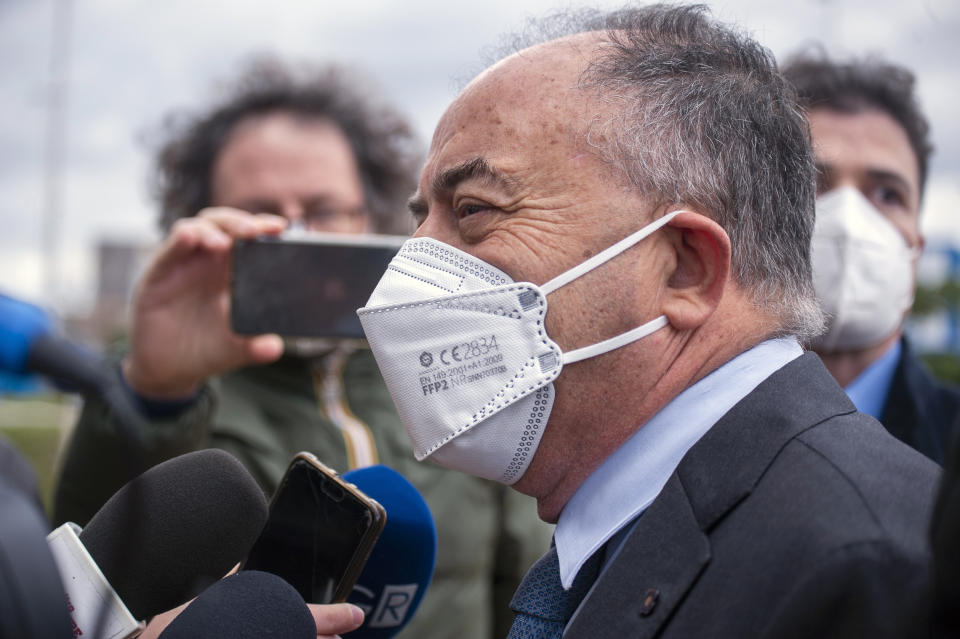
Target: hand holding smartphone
[(319, 532)]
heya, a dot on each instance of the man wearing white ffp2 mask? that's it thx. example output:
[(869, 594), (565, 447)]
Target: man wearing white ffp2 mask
[(662, 459), (863, 271), (871, 146)]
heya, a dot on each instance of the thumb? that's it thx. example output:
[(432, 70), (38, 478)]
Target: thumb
[(264, 349), (333, 619)]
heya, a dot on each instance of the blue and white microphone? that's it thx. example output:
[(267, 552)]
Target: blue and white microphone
[(401, 564)]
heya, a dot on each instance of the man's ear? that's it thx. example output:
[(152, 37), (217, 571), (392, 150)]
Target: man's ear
[(697, 283)]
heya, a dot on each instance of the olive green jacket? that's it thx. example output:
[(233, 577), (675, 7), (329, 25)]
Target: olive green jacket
[(337, 407)]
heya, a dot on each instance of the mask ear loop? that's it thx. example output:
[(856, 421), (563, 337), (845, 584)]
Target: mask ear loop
[(606, 255), (585, 267), (615, 342)]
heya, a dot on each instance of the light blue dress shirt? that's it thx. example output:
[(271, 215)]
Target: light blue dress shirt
[(869, 390), (631, 478)]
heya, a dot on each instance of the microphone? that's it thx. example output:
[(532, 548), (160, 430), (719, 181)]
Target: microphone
[(248, 605), (20, 324), (401, 564), (28, 345), (158, 541)]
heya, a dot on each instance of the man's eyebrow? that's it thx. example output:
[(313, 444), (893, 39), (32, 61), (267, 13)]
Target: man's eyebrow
[(883, 175), (475, 169), (877, 175), (417, 204), (445, 181)]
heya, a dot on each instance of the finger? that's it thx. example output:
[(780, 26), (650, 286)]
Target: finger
[(237, 223), (265, 348), (189, 233), (333, 619), (270, 218), (186, 237)]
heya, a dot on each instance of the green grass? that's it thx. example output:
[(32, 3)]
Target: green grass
[(34, 424)]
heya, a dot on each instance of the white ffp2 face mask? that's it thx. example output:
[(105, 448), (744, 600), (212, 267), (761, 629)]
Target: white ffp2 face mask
[(862, 271), (466, 357)]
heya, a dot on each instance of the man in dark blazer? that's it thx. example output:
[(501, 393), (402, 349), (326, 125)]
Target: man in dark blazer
[(618, 221), (920, 409), (872, 149)]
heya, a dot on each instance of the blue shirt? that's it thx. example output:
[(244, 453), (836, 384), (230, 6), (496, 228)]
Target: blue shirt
[(869, 390), (628, 481)]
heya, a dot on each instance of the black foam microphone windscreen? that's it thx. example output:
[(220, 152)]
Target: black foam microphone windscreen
[(248, 605), (172, 531)]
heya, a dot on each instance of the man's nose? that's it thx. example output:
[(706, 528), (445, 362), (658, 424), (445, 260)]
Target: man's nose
[(438, 227)]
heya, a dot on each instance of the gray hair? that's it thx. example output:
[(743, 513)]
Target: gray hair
[(703, 118)]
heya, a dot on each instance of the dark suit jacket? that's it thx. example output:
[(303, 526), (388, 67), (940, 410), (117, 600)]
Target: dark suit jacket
[(920, 410), (794, 516)]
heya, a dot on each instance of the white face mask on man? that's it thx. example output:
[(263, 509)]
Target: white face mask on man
[(863, 271), (466, 357)]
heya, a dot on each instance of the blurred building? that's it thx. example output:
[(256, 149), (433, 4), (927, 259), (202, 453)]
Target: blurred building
[(119, 265)]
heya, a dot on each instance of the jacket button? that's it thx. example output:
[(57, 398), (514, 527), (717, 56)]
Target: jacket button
[(649, 602)]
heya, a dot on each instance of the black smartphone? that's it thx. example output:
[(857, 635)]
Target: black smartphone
[(319, 532), (306, 284)]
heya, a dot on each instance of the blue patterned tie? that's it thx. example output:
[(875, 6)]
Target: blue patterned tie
[(543, 607)]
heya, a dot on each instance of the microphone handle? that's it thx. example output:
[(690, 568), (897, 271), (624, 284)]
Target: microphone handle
[(66, 363), (89, 374)]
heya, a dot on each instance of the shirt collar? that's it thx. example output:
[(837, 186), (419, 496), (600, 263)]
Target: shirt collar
[(628, 481), (869, 390)]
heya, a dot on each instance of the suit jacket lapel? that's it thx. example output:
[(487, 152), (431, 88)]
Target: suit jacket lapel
[(655, 566), (669, 547)]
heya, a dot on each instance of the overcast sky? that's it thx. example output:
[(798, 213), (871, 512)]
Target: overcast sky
[(130, 63)]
